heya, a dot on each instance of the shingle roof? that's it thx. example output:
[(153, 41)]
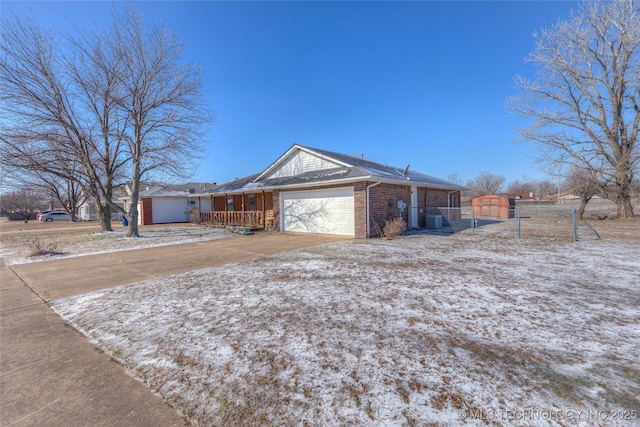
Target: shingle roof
[(354, 169), (173, 190), (378, 170)]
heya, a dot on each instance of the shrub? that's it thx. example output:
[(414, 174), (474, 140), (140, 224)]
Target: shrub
[(393, 228), (194, 215), (38, 248)]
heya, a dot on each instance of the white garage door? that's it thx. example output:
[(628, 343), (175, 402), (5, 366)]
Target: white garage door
[(318, 211), (169, 210)]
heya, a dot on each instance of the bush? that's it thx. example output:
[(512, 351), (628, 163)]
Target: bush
[(194, 215), (38, 248), (394, 228)]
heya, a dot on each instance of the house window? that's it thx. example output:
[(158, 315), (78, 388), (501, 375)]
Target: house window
[(230, 204), (251, 202)]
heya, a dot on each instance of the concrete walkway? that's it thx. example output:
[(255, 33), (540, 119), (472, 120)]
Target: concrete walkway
[(50, 375)]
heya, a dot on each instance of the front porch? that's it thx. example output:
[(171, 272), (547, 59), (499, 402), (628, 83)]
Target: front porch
[(254, 210), (252, 219)]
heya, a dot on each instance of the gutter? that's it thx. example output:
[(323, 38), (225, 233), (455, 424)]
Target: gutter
[(331, 182), (368, 219)]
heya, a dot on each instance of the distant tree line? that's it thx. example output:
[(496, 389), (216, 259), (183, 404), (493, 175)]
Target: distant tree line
[(577, 182)]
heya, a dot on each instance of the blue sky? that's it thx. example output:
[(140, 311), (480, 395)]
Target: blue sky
[(420, 83)]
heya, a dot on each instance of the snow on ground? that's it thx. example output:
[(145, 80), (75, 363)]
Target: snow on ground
[(17, 249), (422, 330)]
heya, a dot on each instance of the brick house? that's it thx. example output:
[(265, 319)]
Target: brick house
[(317, 191)]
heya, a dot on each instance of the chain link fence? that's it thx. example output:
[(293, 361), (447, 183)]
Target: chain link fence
[(540, 221), (560, 223)]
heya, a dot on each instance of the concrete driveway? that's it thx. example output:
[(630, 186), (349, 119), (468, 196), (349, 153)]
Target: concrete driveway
[(51, 375)]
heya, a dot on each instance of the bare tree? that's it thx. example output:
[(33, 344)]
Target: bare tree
[(544, 188), (117, 103), (60, 113), (162, 99), (535, 189), (67, 192), (585, 98), (580, 182), (24, 201), (518, 187), (486, 183)]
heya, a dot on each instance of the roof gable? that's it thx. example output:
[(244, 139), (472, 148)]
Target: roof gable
[(300, 160), (302, 166)]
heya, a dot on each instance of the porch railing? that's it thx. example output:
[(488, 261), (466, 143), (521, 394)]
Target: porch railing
[(241, 218)]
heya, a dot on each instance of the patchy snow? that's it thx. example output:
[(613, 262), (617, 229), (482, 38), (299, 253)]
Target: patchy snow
[(17, 249), (423, 330)]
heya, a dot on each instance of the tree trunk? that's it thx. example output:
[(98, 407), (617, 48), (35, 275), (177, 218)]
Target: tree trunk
[(625, 208), (105, 218), (623, 193), (104, 214), (132, 217), (583, 205)]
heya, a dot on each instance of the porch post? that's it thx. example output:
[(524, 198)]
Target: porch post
[(264, 212)]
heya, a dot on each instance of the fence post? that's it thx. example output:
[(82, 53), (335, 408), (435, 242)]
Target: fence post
[(575, 224), (517, 223), (473, 221)]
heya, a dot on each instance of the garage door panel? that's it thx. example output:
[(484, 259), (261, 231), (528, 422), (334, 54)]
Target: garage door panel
[(319, 211), (169, 210)]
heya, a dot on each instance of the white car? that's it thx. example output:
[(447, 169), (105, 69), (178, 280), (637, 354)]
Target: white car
[(55, 216)]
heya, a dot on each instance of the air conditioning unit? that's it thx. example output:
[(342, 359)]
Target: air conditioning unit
[(433, 221)]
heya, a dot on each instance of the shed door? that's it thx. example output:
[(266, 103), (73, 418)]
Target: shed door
[(169, 210), (329, 211)]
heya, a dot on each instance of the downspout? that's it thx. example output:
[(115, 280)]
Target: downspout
[(449, 204), (368, 218), (449, 198)]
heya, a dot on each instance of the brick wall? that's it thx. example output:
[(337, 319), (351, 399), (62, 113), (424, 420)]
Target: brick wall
[(146, 211), (383, 199), (432, 198), (276, 210), (360, 209), (428, 200), (383, 205)]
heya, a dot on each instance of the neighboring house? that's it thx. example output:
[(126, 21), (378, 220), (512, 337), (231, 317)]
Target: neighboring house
[(518, 196), (87, 211), (318, 191), (566, 195), (162, 203)]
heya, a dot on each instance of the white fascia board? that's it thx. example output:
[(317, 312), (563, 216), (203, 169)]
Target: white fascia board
[(276, 163), (289, 186), (416, 183), (329, 183)]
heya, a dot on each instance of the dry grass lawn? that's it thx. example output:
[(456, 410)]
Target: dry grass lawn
[(421, 330)]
